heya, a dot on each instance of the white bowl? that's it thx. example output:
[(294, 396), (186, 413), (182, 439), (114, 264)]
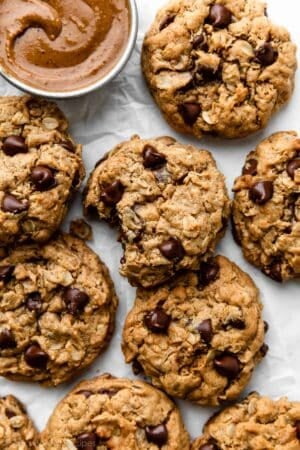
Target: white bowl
[(92, 87)]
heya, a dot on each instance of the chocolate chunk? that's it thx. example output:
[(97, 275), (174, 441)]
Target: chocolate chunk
[(264, 349), (136, 367), (76, 300), (208, 272), (172, 249), (85, 393), (87, 441), (9, 413), (209, 446), (205, 330), (35, 357), (152, 158), (261, 192), (219, 16), (167, 21), (250, 168), (13, 145), (189, 112), (292, 167), (112, 194), (199, 41), (298, 429), (43, 178), (7, 340), (34, 302), (266, 326), (157, 321), (273, 271), (227, 365), (266, 55), (11, 204), (158, 435), (6, 273), (68, 145)]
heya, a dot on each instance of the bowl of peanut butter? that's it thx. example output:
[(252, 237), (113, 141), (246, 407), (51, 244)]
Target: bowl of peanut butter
[(65, 48)]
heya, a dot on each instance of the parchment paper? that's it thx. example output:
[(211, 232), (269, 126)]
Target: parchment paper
[(99, 121)]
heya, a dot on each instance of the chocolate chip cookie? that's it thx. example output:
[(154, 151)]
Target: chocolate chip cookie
[(258, 423), (57, 307), (200, 336), (169, 200), (17, 432), (109, 412), (40, 168), (218, 67), (266, 207)]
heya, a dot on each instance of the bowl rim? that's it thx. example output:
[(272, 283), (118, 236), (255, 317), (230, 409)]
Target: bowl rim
[(118, 67)]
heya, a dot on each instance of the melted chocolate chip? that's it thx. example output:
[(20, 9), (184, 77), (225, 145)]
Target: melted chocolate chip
[(9, 413), (167, 21), (85, 393), (261, 192), (152, 159), (158, 435), (235, 323), (68, 145), (12, 205), (292, 167), (264, 350), (205, 330), (7, 340), (209, 446), (219, 16), (87, 441), (172, 249), (6, 273), (13, 145), (136, 367), (189, 112), (75, 300), (209, 272), (274, 271), (112, 194), (157, 321), (199, 41), (36, 358), (34, 302), (227, 365), (206, 74), (266, 55), (250, 168), (43, 178)]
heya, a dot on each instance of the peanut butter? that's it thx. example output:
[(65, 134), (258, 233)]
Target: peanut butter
[(62, 45)]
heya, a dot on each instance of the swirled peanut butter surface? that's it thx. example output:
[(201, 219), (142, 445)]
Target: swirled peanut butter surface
[(62, 45)]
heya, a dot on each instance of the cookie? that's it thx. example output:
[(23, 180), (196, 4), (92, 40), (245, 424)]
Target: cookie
[(257, 423), (40, 168), (200, 336), (17, 432), (57, 308), (218, 67), (266, 207), (115, 413), (169, 201)]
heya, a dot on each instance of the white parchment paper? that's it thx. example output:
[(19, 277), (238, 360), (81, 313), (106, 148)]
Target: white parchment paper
[(103, 119)]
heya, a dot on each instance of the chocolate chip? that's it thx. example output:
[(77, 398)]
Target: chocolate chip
[(261, 192), (266, 326), (208, 272), (7, 340), (13, 145), (87, 441), (167, 21), (292, 167), (250, 168), (68, 145), (274, 271), (136, 367), (76, 180), (235, 323), (209, 446), (265, 54), (10, 413), (112, 194), (157, 321), (206, 74), (152, 158), (297, 425), (157, 435), (205, 330), (172, 249), (219, 16), (227, 365), (85, 393), (264, 350), (109, 392), (34, 302), (76, 300), (11, 204), (43, 178), (35, 357), (189, 112), (6, 273), (199, 41)]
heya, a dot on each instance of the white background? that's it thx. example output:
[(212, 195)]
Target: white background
[(100, 121)]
